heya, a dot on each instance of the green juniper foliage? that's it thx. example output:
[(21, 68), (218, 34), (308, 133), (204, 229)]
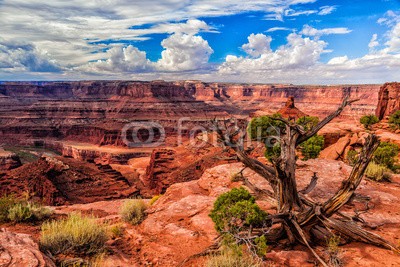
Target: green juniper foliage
[(369, 120), (236, 210), (394, 119), (312, 147)]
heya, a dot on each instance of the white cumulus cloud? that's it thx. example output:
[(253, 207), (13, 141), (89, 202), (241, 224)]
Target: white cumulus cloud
[(184, 52), (121, 59), (258, 44)]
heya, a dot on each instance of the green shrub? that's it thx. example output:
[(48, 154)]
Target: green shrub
[(261, 245), (27, 211), (262, 127), (154, 199), (385, 154), (116, 230), (368, 120), (15, 210), (377, 172), (265, 129), (352, 157), (76, 234), (230, 259), (6, 203), (308, 122), (312, 147), (133, 211), (236, 210), (394, 119)]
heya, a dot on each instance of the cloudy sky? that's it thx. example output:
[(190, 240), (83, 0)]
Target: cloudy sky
[(263, 41)]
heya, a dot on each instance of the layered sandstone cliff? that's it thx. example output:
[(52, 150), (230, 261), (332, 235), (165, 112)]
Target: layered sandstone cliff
[(96, 111), (389, 100)]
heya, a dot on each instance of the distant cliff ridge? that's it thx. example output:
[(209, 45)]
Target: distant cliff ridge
[(95, 111)]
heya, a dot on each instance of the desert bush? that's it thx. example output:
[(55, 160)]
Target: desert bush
[(368, 120), (154, 199), (385, 154), (116, 230), (394, 119), (261, 245), (28, 211), (352, 157), (76, 234), (312, 147), (377, 172), (6, 203), (266, 129), (16, 210), (308, 122), (230, 259), (236, 210), (334, 251), (262, 127), (133, 211)]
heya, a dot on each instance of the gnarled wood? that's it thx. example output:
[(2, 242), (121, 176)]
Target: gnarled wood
[(299, 217)]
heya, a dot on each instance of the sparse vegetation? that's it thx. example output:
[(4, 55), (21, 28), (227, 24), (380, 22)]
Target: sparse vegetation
[(385, 155), (236, 176), (308, 122), (394, 119), (267, 129), (28, 212), (368, 120), (76, 234), (352, 157), (154, 199), (312, 147), (230, 259), (133, 211), (236, 210), (378, 172), (116, 231), (333, 250), (15, 210)]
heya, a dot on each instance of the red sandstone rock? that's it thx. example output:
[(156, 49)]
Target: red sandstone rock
[(60, 180), (389, 99), (20, 250), (336, 150), (8, 160), (169, 166), (290, 111)]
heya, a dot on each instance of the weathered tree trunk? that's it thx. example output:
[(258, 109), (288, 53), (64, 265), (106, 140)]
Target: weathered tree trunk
[(298, 216), (285, 167)]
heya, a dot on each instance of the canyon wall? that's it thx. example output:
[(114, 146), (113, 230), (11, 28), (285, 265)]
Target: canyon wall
[(389, 100), (96, 111)]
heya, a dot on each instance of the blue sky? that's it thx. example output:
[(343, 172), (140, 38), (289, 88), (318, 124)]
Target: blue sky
[(265, 41)]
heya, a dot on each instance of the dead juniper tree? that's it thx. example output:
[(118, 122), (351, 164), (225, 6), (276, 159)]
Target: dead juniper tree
[(298, 218)]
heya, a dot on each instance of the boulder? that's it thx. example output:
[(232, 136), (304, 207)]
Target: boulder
[(20, 250)]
